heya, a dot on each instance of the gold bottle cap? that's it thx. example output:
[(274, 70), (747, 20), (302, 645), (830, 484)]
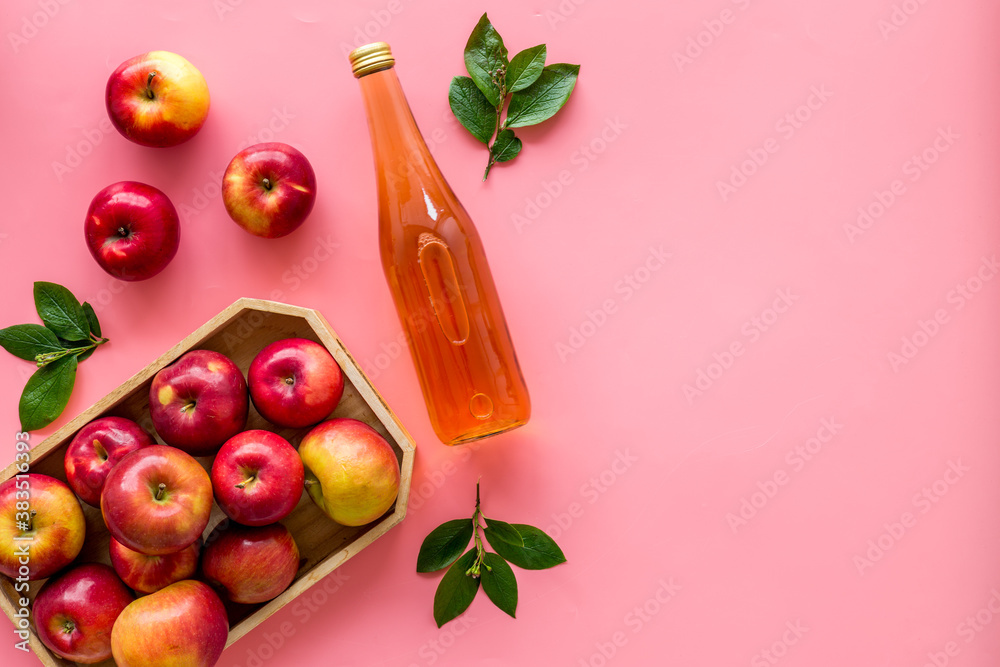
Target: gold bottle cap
[(371, 58)]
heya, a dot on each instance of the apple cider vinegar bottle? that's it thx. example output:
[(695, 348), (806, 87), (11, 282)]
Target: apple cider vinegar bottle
[(436, 268)]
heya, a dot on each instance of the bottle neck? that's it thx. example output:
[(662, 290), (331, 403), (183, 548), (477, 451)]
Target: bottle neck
[(397, 144)]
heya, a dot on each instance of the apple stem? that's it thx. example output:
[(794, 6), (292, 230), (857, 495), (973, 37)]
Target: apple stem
[(122, 232), (31, 520), (149, 86), (159, 491), (266, 182), (246, 481)]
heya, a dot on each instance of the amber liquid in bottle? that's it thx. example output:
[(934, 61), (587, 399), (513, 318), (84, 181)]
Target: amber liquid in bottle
[(436, 268)]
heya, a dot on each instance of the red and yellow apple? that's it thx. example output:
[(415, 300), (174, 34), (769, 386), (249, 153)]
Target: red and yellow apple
[(250, 564), (132, 230), (182, 624), (43, 526), (257, 477), (351, 472), (157, 99), (148, 574), (157, 500), (199, 401), (96, 449), (74, 613), (295, 382), (269, 189)]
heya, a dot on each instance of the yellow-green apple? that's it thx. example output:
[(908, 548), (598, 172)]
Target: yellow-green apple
[(43, 526), (295, 382), (74, 612), (132, 230), (147, 574), (257, 477), (269, 189), (157, 99), (182, 624), (199, 401), (351, 471), (157, 500), (96, 449), (251, 564)]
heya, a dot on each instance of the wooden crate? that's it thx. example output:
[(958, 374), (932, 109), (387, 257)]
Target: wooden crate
[(240, 332)]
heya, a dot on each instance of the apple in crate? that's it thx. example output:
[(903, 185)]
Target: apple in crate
[(295, 382), (351, 471), (96, 449), (182, 624), (257, 477), (147, 574), (250, 564), (43, 526), (157, 500), (157, 99), (269, 189), (199, 401), (74, 613), (132, 230)]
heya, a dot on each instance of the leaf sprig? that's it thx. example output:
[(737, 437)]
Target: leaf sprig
[(70, 334), (517, 543), (536, 91)]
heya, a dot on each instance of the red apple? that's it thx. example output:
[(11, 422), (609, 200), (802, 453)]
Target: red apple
[(157, 99), (148, 574), (251, 564), (351, 471), (182, 624), (132, 230), (157, 500), (257, 477), (295, 382), (43, 526), (96, 449), (269, 189), (75, 612), (199, 401)]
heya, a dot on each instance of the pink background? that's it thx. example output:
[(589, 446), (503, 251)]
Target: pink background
[(820, 499)]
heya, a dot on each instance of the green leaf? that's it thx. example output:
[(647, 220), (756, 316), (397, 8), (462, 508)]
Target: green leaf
[(538, 551), (486, 60), (525, 68), (456, 590), (471, 108), (26, 341), (61, 312), (47, 393), (506, 147), (499, 583), (444, 544), (95, 325), (542, 99), (502, 530)]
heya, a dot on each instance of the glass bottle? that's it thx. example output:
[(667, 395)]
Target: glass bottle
[(436, 268)]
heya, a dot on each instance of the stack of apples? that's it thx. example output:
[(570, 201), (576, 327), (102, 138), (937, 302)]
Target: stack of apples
[(156, 500)]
